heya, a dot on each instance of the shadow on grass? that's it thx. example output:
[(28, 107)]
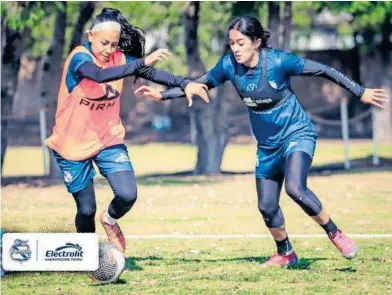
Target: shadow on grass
[(361, 165), (346, 269), (130, 264), (303, 263)]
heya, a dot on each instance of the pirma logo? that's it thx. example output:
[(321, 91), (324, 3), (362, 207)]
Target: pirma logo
[(20, 251), (68, 252)]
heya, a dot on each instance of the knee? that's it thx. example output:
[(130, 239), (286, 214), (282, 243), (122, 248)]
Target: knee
[(295, 190), (271, 216), (87, 210), (267, 211), (128, 195)]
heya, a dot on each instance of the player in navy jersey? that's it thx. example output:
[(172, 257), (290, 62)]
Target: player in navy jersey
[(285, 135)]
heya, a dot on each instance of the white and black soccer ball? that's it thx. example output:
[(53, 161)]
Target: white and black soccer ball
[(111, 264)]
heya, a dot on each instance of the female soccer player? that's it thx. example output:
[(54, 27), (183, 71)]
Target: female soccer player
[(286, 137), (88, 125)]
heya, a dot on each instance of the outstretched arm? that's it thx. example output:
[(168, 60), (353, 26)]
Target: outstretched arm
[(197, 87), (84, 67), (370, 96), (313, 68), (295, 65), (178, 92), (212, 79), (91, 71)]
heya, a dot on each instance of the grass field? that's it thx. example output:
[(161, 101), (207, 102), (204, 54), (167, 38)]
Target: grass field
[(358, 202)]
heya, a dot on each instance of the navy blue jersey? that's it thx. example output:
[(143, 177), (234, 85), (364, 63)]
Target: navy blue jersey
[(275, 113)]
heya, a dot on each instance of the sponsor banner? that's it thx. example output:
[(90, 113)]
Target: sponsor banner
[(50, 252)]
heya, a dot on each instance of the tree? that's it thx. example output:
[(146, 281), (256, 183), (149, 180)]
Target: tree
[(287, 25), (51, 76), (201, 116), (274, 23), (10, 63), (16, 19), (86, 11)]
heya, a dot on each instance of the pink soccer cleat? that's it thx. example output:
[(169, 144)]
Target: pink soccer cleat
[(345, 245), (281, 260)]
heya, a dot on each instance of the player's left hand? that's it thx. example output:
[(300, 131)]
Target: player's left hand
[(150, 92), (198, 89), (375, 97)]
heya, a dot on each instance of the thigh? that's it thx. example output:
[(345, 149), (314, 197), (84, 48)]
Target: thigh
[(85, 199), (268, 190), (297, 166), (123, 183), (76, 174), (113, 159)]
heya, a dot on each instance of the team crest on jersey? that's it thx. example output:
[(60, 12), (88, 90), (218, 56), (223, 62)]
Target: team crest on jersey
[(68, 177), (251, 87)]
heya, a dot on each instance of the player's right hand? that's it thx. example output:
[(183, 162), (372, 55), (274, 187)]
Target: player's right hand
[(150, 92), (158, 55)]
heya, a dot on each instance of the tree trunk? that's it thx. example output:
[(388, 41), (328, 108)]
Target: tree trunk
[(287, 25), (51, 78), (385, 48), (86, 11), (273, 23), (238, 8), (10, 63), (203, 117)]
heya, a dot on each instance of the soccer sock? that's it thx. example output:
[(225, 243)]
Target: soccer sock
[(108, 219), (330, 228), (284, 247)]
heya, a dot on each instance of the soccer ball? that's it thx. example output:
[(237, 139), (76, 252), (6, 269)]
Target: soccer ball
[(111, 264)]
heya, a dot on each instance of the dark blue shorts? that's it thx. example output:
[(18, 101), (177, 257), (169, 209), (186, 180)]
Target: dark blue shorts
[(270, 160), (78, 174)]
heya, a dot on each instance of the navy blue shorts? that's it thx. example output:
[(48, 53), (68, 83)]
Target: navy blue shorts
[(78, 174), (270, 160)]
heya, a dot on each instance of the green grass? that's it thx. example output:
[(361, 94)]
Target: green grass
[(358, 202), (225, 267)]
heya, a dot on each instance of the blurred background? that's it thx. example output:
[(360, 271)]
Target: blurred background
[(36, 37)]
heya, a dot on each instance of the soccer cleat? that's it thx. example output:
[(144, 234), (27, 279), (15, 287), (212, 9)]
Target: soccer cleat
[(114, 233), (281, 260), (345, 245)]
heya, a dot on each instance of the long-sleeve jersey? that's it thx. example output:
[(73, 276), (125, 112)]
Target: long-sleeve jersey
[(273, 108), (279, 68)]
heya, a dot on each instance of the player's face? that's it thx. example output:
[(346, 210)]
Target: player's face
[(104, 44), (242, 46)]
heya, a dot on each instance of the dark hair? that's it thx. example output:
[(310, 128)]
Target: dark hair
[(132, 38), (251, 27)]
